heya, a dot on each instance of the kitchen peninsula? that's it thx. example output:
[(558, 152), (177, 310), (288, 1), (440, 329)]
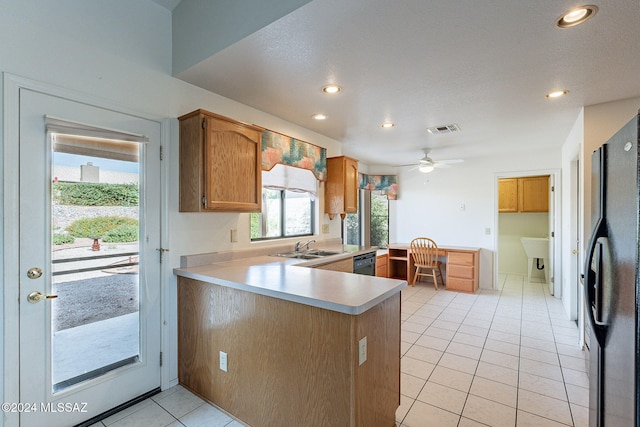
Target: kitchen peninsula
[(275, 341)]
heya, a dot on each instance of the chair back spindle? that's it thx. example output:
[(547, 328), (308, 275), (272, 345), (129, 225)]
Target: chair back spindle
[(425, 257)]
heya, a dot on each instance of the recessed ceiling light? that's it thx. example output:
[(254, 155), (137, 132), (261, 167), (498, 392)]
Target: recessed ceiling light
[(319, 117), (556, 94), (388, 125), (332, 89), (576, 16)]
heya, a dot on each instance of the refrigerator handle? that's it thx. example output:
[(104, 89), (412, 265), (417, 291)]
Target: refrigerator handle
[(594, 282)]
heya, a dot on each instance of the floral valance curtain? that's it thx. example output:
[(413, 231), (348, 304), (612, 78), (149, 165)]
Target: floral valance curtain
[(383, 184), (282, 149)]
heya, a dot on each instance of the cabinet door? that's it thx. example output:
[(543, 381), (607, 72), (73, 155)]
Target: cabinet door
[(534, 194), (381, 266), (508, 195), (232, 177), (341, 187), (345, 265), (351, 186)]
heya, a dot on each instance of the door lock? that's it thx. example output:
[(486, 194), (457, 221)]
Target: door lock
[(34, 273), (35, 297)]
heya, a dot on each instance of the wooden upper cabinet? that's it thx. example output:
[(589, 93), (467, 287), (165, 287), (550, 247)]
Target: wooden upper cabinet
[(533, 193), (508, 195), (527, 194), (220, 164), (341, 188)]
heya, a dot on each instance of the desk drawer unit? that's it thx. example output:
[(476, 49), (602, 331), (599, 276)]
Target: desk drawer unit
[(462, 271), (382, 266)]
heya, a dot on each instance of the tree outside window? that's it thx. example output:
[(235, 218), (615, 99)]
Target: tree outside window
[(376, 215), (379, 220)]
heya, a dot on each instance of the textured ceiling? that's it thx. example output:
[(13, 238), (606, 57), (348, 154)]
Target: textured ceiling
[(425, 63)]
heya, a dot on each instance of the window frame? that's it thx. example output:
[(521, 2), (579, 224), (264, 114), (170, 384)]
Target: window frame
[(364, 218), (283, 221)]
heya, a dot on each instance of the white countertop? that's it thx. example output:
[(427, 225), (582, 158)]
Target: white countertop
[(293, 280)]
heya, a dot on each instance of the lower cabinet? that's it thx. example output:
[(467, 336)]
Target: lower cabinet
[(289, 364), (344, 265), (462, 271), (382, 263)]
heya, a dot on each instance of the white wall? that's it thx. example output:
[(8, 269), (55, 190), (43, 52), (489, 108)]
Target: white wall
[(432, 204), (119, 53), (572, 179)]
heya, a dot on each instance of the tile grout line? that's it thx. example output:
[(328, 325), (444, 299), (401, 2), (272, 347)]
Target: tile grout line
[(564, 384), (526, 290)]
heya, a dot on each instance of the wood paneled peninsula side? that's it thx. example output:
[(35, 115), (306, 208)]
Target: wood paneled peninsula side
[(294, 338)]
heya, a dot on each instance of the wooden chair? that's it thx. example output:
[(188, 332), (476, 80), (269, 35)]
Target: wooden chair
[(425, 257)]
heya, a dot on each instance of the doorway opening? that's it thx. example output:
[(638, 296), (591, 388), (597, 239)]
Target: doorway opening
[(525, 227)]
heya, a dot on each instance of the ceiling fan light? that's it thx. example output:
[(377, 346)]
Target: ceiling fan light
[(425, 168)]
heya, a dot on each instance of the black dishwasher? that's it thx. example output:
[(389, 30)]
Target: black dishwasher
[(365, 264)]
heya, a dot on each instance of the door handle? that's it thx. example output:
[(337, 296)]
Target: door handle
[(35, 297), (575, 251), (593, 278)]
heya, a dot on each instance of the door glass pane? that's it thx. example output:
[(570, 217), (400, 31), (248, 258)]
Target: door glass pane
[(95, 222)]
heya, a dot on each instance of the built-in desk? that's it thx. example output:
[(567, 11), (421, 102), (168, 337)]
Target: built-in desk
[(462, 266)]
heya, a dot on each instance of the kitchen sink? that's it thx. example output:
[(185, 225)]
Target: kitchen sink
[(299, 255), (312, 254), (323, 253), (304, 256)]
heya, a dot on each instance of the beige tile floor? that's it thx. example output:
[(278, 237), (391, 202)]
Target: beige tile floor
[(175, 407), (497, 358)]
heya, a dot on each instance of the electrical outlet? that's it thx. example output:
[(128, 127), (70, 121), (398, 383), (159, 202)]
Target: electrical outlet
[(234, 235), (487, 231), (223, 361), (362, 351), (462, 207), (325, 228)]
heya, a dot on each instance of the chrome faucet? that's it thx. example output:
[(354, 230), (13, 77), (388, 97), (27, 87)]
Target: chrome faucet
[(300, 245)]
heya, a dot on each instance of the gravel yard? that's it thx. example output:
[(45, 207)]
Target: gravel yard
[(91, 296), (89, 300)]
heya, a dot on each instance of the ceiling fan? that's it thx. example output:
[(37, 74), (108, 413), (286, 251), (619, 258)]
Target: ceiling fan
[(427, 164)]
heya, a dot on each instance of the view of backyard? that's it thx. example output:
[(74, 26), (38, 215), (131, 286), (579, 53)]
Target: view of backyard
[(81, 213), (95, 265)]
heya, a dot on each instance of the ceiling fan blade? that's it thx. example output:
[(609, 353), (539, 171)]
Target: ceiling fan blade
[(450, 161)]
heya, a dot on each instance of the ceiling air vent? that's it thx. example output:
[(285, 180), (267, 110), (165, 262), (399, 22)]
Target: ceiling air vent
[(444, 129)]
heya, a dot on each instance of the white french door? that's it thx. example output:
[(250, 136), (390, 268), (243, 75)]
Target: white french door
[(89, 296)]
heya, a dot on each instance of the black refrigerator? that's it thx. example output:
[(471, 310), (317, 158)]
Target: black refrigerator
[(612, 282)]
